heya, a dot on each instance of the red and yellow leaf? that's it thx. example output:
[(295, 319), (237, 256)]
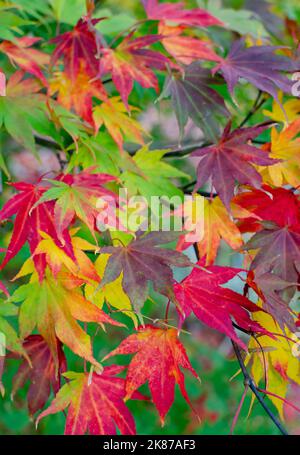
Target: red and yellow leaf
[(95, 403)]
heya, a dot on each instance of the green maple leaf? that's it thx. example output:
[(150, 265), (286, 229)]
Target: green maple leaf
[(148, 175)]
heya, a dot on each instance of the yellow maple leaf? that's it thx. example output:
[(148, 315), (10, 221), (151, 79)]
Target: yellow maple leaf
[(114, 116), (285, 146), (273, 360), (78, 94), (290, 114), (71, 271), (112, 292)]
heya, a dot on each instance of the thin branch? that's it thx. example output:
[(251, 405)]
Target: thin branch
[(248, 381), (202, 193), (107, 81), (196, 251), (189, 185), (47, 143), (241, 329), (256, 106), (183, 151)]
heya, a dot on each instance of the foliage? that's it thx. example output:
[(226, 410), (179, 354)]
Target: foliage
[(152, 100)]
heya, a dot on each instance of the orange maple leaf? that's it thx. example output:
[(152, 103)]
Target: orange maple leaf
[(78, 93)]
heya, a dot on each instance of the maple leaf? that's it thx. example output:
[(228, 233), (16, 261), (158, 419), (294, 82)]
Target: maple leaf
[(29, 222), (19, 86), (147, 174), (271, 359), (143, 261), (217, 226), (192, 97), (76, 195), (81, 269), (175, 12), (131, 61), (231, 160), (96, 403), (201, 293), (185, 49), (259, 66), (278, 251), (284, 147), (80, 44), (269, 289), (159, 357), (112, 293), (291, 110), (54, 309), (77, 94), (279, 205), (276, 267), (114, 116), (9, 338), (28, 59), (21, 97), (12, 342), (41, 374)]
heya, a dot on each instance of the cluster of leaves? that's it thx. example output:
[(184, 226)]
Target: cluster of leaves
[(80, 89)]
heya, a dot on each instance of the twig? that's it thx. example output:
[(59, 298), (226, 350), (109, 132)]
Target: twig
[(202, 193), (183, 151), (248, 381), (256, 106), (46, 143)]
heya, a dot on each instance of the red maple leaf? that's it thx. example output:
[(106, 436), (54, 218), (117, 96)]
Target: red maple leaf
[(96, 403), (201, 293), (175, 12), (76, 195), (28, 59), (130, 62), (159, 357), (29, 222), (279, 205), (80, 44), (42, 373), (185, 49)]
